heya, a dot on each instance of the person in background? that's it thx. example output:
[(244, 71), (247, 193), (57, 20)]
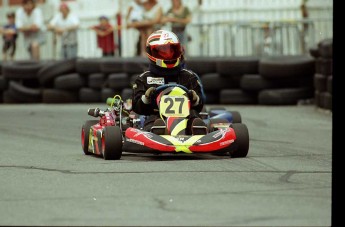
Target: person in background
[(152, 17), (105, 36), (48, 8), (166, 57), (9, 32), (29, 21), (305, 28), (135, 13), (179, 16), (65, 25)]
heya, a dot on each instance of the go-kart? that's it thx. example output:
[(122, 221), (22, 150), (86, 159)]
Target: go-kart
[(120, 129)]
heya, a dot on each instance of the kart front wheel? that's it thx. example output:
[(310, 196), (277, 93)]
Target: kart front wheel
[(85, 132), (240, 146), (112, 143)]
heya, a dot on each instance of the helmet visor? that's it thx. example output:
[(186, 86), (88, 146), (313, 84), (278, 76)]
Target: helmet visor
[(169, 51)]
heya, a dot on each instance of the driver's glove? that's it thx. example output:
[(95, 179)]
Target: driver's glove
[(147, 97), (194, 97)]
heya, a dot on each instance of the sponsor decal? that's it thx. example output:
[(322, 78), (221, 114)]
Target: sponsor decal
[(135, 141), (221, 133), (146, 134), (227, 142), (155, 80)]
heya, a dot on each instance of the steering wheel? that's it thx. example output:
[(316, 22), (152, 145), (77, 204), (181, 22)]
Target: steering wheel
[(161, 88)]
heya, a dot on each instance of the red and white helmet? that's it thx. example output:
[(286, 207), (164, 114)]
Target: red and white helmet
[(164, 49)]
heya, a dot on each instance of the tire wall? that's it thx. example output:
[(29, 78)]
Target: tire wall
[(278, 80), (323, 77)]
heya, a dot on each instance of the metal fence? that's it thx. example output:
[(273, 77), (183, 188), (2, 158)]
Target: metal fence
[(227, 38)]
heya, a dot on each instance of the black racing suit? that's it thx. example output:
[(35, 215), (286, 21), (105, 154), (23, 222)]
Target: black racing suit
[(178, 75)]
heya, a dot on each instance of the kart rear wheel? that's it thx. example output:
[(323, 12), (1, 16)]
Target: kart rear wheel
[(85, 135), (240, 147), (236, 117), (112, 143)]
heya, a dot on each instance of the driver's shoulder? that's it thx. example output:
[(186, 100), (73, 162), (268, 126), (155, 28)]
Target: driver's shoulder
[(188, 72), (145, 74)]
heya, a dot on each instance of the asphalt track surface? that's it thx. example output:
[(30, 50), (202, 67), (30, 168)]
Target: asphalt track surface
[(45, 179)]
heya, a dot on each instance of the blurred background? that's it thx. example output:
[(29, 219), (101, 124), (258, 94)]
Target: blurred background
[(217, 27)]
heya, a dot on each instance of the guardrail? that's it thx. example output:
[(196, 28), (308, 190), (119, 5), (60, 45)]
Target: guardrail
[(227, 38)]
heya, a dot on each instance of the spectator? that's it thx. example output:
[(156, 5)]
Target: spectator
[(135, 13), (105, 36), (9, 32), (152, 17), (65, 25), (48, 7), (29, 21), (179, 16), (305, 28)]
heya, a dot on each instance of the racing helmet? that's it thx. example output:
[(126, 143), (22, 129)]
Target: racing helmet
[(164, 49)]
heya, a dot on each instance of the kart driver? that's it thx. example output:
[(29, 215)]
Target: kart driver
[(167, 67)]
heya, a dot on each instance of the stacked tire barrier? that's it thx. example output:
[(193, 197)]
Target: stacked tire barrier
[(279, 80), (323, 78)]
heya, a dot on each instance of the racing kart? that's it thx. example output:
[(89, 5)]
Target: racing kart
[(120, 129)]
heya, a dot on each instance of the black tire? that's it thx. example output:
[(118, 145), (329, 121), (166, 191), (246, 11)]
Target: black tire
[(89, 95), (212, 97), (112, 65), (314, 51), (237, 66), (256, 83), (85, 129), (326, 100), (135, 65), (284, 96), (126, 94), (3, 83), (237, 96), (326, 48), (71, 81), (286, 67), (201, 65), (8, 98), (21, 69), (236, 117), (50, 71), (214, 82), (59, 96), (118, 81), (317, 99), (24, 94), (113, 143), (320, 82), (240, 147), (108, 93), (330, 84), (324, 66), (97, 80), (86, 66)]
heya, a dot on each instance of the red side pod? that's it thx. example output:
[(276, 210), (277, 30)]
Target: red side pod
[(226, 140), (144, 139)]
